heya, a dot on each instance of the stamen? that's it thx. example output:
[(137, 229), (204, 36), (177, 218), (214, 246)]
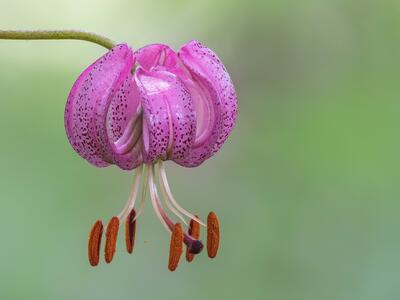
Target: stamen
[(111, 239), (195, 246), (144, 191), (130, 231), (94, 243), (155, 201), (132, 195), (176, 247), (164, 182), (212, 235), (168, 202), (194, 232)]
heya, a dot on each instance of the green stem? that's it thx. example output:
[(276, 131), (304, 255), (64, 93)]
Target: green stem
[(57, 35)]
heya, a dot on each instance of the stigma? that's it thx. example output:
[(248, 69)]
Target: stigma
[(183, 227)]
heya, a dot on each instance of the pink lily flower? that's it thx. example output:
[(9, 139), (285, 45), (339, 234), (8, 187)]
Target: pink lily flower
[(138, 109)]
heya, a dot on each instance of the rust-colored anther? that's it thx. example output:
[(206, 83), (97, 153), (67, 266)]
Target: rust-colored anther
[(194, 232), (94, 243), (130, 231), (176, 247), (212, 235), (111, 239)]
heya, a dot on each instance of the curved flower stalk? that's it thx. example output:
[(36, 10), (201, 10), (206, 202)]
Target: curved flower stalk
[(138, 109)]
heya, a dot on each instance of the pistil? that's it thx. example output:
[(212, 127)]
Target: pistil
[(194, 232), (165, 185), (194, 245)]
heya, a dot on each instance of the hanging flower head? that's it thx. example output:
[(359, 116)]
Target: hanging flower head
[(138, 109)]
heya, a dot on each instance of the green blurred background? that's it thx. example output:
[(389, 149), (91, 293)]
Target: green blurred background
[(306, 188)]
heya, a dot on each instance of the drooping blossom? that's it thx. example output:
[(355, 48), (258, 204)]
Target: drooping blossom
[(139, 109)]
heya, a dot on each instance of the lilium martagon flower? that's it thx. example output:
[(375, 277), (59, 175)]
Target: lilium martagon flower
[(138, 109)]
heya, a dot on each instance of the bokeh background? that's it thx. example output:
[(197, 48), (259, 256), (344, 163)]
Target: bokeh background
[(306, 188)]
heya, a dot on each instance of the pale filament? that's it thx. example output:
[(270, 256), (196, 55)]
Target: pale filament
[(193, 244), (168, 223), (154, 198), (164, 183), (168, 202), (132, 195), (144, 191)]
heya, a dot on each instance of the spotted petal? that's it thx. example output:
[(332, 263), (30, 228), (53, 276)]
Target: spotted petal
[(182, 116), (209, 72), (160, 56), (120, 123), (89, 100), (154, 55), (156, 129), (168, 118)]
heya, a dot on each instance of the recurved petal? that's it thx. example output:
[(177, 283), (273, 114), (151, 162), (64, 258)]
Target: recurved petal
[(154, 55), (90, 93), (206, 105), (207, 68), (118, 122), (169, 121), (131, 159), (156, 127), (182, 125)]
